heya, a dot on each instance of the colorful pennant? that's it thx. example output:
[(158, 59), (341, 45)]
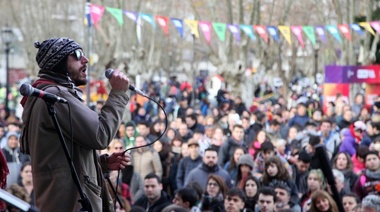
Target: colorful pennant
[(220, 29), (206, 29), (285, 31), (163, 21)]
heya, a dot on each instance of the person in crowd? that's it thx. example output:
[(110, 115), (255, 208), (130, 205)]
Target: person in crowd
[(245, 167), (280, 147), (232, 166), (249, 134), (255, 146), (315, 182), (371, 203), (171, 133), (274, 172), (184, 132), (301, 117), (62, 68), (266, 200), (145, 159), (330, 137), (192, 123), (142, 116), (235, 140), (283, 194), (259, 122), (343, 163), (352, 138), (321, 201), (370, 178), (144, 131), (12, 152), (154, 198), (273, 130), (251, 187), (301, 171), (357, 159), (267, 150), (214, 195), (19, 193), (235, 200), (186, 198), (188, 163), (350, 201), (346, 119), (218, 139), (339, 183), (26, 180), (208, 166), (199, 136)]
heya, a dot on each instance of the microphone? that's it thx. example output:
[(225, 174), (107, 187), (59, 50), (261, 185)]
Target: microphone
[(109, 73), (28, 90)]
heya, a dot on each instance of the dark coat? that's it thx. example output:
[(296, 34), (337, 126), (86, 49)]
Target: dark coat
[(158, 206)]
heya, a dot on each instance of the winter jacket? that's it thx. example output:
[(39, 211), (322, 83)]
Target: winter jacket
[(348, 143), (146, 162), (366, 183), (158, 206), (300, 180), (200, 175), (300, 120), (186, 165), (54, 187), (227, 150)]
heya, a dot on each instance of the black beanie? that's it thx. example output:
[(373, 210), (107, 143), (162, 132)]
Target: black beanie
[(52, 51)]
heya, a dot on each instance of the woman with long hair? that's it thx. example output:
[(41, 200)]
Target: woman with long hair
[(232, 166), (275, 171), (260, 138), (315, 182), (213, 198), (343, 163), (251, 186), (321, 201), (245, 167)]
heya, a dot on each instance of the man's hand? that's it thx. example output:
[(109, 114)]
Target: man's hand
[(118, 160), (119, 81)]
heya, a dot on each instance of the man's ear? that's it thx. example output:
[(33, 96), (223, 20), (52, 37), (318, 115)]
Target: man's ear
[(187, 204), (160, 186)]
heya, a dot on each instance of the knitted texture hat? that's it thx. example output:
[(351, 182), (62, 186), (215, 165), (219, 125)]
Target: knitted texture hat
[(246, 159), (54, 50)]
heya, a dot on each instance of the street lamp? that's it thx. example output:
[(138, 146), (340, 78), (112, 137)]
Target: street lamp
[(316, 51), (7, 37)]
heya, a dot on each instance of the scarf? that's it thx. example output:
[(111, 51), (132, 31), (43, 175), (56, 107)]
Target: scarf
[(52, 78), (357, 138), (373, 174)]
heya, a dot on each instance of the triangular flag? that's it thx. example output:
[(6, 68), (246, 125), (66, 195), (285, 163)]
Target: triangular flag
[(262, 32), (163, 22), (297, 30), (309, 32), (178, 23), (357, 29), (117, 13), (131, 15), (368, 27), (321, 32), (234, 29), (96, 12), (220, 29), (193, 25), (334, 31), (206, 29), (148, 18), (285, 31), (248, 30), (376, 26), (272, 30), (88, 14), (345, 31)]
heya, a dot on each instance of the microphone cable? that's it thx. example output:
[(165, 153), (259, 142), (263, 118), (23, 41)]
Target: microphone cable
[(137, 147)]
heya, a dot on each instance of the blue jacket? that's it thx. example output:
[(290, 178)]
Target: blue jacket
[(186, 165), (200, 175), (300, 120)]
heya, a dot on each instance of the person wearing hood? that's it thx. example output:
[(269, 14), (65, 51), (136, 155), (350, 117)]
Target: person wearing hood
[(12, 152), (208, 166), (352, 138), (235, 140), (245, 167)]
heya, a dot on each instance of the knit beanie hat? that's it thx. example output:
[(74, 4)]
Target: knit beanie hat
[(52, 51), (246, 159)]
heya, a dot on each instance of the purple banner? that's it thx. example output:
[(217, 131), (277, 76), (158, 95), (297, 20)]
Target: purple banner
[(333, 74), (352, 74)]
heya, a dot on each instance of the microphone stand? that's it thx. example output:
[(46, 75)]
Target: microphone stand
[(84, 201)]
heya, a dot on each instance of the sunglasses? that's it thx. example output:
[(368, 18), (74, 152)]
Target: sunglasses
[(78, 54)]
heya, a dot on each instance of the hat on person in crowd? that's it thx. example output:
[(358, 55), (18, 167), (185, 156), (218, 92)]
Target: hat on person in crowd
[(192, 142), (199, 130), (280, 184), (267, 145), (52, 51), (12, 134), (129, 124), (360, 125), (246, 159)]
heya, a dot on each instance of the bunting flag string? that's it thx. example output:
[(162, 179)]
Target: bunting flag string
[(94, 13)]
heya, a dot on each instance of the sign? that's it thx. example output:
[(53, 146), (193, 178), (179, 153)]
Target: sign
[(352, 74)]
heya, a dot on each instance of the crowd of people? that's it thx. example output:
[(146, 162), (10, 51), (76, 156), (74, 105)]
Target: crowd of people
[(237, 157)]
